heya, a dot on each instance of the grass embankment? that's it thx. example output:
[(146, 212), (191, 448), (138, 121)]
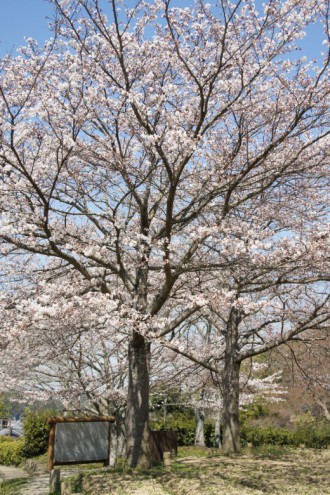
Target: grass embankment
[(265, 470), (270, 470)]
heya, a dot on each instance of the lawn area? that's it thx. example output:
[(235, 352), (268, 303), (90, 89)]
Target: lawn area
[(12, 487), (271, 471)]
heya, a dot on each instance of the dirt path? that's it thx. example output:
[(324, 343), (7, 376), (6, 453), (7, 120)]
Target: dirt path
[(36, 484), (12, 473)]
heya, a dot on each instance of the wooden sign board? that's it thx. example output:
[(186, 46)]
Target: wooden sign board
[(162, 441), (79, 440)]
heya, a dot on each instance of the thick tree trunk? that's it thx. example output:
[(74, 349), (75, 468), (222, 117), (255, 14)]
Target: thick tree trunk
[(200, 435), (230, 387), (231, 435), (137, 428)]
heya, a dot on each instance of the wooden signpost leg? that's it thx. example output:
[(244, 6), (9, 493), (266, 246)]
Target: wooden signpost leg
[(51, 448), (107, 462), (55, 481)]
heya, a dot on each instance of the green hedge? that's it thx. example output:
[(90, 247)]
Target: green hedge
[(270, 435), (11, 451), (315, 436)]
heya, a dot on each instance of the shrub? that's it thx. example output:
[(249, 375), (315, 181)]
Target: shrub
[(185, 426), (256, 410), (7, 439), (308, 430), (315, 436), (182, 423), (270, 435), (36, 431), (4, 407), (12, 451)]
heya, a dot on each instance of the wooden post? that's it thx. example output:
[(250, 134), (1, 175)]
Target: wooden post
[(55, 481), (167, 460), (107, 462), (66, 488), (51, 447)]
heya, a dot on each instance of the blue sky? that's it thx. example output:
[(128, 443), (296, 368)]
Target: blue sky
[(23, 18), (28, 18)]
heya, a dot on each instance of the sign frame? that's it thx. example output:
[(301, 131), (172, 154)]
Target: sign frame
[(52, 434)]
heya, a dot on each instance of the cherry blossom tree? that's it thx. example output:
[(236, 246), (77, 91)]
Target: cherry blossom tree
[(253, 318), (166, 160), (305, 364), (202, 390)]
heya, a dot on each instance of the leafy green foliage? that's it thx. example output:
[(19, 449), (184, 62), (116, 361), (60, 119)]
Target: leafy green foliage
[(4, 407), (255, 410), (36, 432), (11, 451), (307, 429), (315, 436), (172, 400), (184, 424), (269, 435), (7, 439)]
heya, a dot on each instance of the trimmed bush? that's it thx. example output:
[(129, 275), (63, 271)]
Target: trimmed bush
[(36, 432), (270, 435), (316, 436), (11, 451)]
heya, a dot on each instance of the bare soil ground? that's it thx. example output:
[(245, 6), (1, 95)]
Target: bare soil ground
[(291, 472)]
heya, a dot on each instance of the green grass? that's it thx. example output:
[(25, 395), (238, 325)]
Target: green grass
[(197, 452), (268, 469), (270, 451), (184, 469), (12, 487)]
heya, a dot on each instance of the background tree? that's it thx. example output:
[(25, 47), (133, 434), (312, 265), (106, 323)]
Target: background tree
[(4, 407), (305, 365)]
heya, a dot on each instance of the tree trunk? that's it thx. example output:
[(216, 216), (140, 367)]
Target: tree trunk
[(324, 408), (230, 387), (217, 432), (137, 428), (200, 436), (118, 439)]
